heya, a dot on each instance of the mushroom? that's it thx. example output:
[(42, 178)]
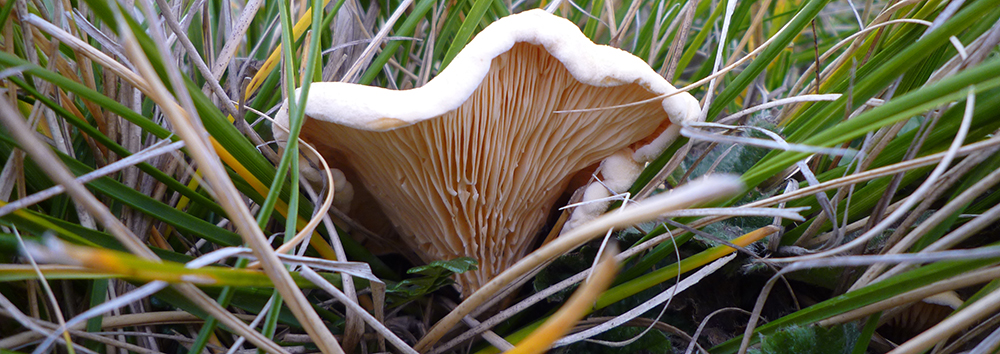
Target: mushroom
[(471, 164), (901, 326)]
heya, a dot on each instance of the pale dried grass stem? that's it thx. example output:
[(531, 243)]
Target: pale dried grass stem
[(915, 197), (664, 296), (153, 151), (235, 38), (396, 342), (938, 217), (856, 261), (229, 198), (974, 277), (369, 51), (951, 325)]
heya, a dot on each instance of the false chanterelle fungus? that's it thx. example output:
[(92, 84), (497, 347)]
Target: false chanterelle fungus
[(471, 164)]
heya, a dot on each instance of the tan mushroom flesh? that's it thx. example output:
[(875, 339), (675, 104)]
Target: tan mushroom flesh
[(470, 164)]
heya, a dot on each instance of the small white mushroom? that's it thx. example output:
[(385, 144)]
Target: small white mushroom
[(470, 164), (902, 325), (617, 172)]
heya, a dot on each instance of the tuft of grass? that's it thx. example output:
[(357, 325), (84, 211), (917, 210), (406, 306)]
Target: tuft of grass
[(879, 117)]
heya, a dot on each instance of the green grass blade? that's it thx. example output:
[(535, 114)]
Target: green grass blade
[(406, 29), (753, 70), (862, 297), (472, 21), (983, 77)]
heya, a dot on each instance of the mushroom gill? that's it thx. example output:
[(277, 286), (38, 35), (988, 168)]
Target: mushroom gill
[(471, 164)]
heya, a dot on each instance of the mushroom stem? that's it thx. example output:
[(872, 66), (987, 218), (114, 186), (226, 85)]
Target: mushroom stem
[(699, 191)]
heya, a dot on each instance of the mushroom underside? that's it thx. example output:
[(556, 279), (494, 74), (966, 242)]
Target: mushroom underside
[(479, 181)]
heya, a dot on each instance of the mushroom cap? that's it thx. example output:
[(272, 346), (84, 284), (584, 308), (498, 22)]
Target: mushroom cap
[(470, 164)]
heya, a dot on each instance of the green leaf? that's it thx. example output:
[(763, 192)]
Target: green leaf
[(454, 266), (434, 276), (810, 340)]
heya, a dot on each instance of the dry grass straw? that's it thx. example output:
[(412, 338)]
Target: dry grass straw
[(228, 197), (543, 338), (131, 68)]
